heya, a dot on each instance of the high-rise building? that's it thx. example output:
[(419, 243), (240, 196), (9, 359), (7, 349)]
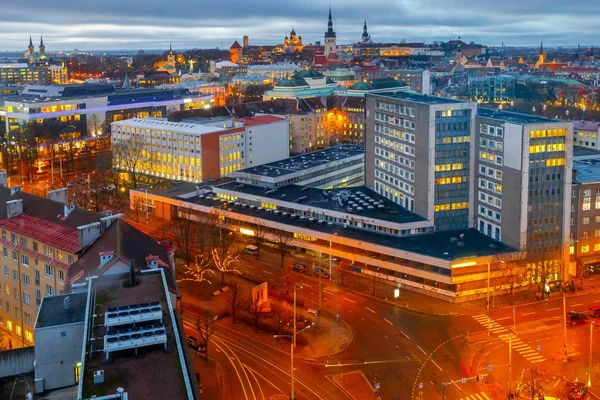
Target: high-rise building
[(330, 40), (419, 80), (523, 180), (418, 154)]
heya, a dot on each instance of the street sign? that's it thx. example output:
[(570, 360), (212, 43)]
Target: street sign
[(420, 385), (490, 367), (396, 293), (463, 380), (538, 348), (377, 386)]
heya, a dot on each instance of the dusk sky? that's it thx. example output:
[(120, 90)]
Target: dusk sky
[(152, 24)]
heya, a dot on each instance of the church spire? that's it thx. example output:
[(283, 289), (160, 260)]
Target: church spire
[(330, 33), (541, 48), (30, 41), (41, 41), (170, 48)]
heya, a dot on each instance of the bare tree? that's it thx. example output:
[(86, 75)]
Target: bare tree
[(197, 272), (540, 264), (513, 268), (206, 328), (224, 263), (260, 236), (281, 314), (257, 306), (343, 269), (530, 384), (133, 157), (236, 300), (287, 277), (185, 236), (284, 244), (374, 277)]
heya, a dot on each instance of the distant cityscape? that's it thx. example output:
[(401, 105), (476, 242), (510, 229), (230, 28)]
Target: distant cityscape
[(325, 220)]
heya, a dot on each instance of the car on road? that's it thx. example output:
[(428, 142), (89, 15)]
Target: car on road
[(322, 272), (252, 250), (575, 318), (299, 268), (195, 344), (577, 390), (595, 311)]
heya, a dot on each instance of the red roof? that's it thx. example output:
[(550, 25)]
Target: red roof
[(260, 120), (235, 45), (43, 231)]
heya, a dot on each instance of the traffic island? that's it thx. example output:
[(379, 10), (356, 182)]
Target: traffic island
[(355, 385)]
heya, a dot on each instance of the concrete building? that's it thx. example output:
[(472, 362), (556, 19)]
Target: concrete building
[(197, 150), (418, 154), (498, 89), (84, 108), (276, 71), (23, 74), (85, 342), (419, 80), (586, 134), (523, 176), (59, 329), (335, 167), (58, 74)]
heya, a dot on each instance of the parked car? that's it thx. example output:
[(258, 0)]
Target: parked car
[(252, 250), (195, 344), (575, 318), (595, 311), (324, 274), (299, 268), (577, 390)]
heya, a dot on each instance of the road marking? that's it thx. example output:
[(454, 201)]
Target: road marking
[(362, 318), (351, 312), (577, 305), (325, 298), (405, 335), (407, 357), (351, 301), (503, 318), (398, 347), (596, 301), (423, 351), (305, 284), (267, 272), (386, 337), (431, 383), (388, 322), (312, 293), (553, 309), (434, 363), (250, 266), (370, 310), (529, 313)]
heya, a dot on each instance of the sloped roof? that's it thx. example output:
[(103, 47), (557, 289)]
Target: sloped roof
[(291, 82), (43, 231), (377, 84), (235, 45), (308, 73)]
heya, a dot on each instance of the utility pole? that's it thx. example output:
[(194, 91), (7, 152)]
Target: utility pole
[(318, 325), (565, 357), (590, 366), (509, 364), (487, 293)]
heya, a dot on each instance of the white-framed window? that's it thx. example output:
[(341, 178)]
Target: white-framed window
[(25, 260), (49, 271)]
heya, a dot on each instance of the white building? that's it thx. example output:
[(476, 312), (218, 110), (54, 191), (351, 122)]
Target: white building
[(274, 71)]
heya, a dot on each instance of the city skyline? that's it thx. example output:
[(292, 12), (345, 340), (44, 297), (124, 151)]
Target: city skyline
[(114, 26)]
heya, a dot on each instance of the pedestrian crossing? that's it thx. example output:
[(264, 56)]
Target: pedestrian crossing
[(531, 355), (476, 396)]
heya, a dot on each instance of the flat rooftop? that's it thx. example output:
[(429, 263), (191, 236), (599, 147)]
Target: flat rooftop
[(306, 161), (418, 98), (164, 124), (340, 200), (517, 118), (155, 373), (586, 171), (52, 310)]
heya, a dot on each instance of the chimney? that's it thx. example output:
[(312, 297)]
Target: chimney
[(132, 273), (86, 234), (67, 304), (105, 257), (68, 209), (14, 208), (15, 189), (152, 261), (59, 195)]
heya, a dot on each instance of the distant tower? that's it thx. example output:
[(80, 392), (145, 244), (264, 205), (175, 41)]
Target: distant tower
[(30, 48), (246, 41), (126, 81), (365, 38), (542, 55), (330, 40), (235, 53), (171, 56), (42, 47)]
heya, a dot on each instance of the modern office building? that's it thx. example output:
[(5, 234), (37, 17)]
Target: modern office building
[(335, 167), (523, 176), (418, 154), (81, 109), (419, 80), (117, 335), (498, 89), (197, 150), (58, 74), (23, 74)]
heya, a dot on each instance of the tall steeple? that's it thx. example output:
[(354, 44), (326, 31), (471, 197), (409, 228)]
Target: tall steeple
[(30, 48), (330, 49), (42, 47), (171, 56), (330, 33), (542, 55), (365, 38)]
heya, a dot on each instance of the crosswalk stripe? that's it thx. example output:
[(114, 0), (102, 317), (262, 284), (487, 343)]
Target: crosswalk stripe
[(478, 397), (485, 396), (496, 330), (479, 315)]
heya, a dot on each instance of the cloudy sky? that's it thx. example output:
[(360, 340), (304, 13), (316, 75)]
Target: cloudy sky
[(152, 24)]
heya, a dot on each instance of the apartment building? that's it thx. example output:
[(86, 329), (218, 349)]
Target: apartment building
[(418, 154), (523, 176), (586, 134), (41, 239), (23, 74), (195, 150), (419, 80)]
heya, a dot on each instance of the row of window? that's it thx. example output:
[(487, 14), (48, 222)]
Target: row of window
[(489, 199), (399, 122), (405, 187), (409, 137), (548, 133), (49, 271), (450, 180), (24, 241), (490, 144), (491, 130), (489, 229), (454, 139), (486, 212), (491, 172), (494, 187), (483, 156), (449, 167), (451, 206), (396, 108), (542, 148)]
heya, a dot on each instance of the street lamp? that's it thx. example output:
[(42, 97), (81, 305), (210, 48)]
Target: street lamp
[(292, 340), (330, 255), (300, 286), (590, 366)]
